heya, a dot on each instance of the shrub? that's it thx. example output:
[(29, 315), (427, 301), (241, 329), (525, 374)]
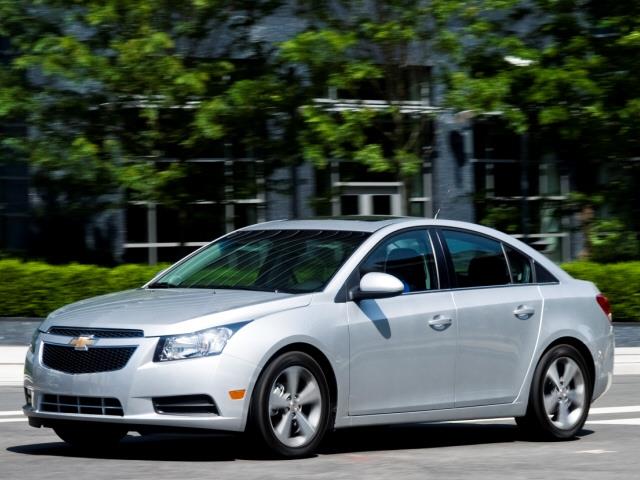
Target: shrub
[(620, 282), (611, 242), (34, 289)]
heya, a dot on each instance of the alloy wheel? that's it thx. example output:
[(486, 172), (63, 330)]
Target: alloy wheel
[(295, 406), (564, 393)]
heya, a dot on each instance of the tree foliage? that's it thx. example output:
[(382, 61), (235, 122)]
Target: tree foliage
[(110, 89), (351, 45), (567, 73), (107, 88)]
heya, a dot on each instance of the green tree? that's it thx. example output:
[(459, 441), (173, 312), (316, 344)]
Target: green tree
[(566, 73), (351, 45), (107, 88)]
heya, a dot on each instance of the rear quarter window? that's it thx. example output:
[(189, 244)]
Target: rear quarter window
[(520, 266), (543, 275)]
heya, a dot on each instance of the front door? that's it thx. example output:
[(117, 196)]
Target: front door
[(403, 348)]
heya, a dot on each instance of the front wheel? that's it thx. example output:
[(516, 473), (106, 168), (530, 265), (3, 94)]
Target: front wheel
[(560, 395), (290, 407)]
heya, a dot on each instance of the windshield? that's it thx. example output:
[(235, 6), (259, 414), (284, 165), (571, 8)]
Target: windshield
[(291, 261)]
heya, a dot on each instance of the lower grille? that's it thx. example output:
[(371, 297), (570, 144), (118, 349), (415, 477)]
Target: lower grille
[(69, 360), (185, 405), (81, 405)]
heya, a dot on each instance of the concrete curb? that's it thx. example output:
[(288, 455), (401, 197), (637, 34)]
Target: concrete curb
[(627, 362), (12, 365)]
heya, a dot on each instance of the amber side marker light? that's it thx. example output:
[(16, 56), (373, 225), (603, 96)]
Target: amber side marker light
[(236, 394), (604, 305)]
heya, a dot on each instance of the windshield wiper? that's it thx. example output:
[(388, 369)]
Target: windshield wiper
[(231, 287), (163, 285)]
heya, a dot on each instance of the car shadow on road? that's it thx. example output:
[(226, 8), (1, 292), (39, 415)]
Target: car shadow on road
[(208, 448), (425, 436)]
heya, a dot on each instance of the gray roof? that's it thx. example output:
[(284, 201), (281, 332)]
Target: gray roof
[(349, 223)]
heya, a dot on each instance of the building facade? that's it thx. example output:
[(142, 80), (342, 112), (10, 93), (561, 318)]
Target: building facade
[(473, 169)]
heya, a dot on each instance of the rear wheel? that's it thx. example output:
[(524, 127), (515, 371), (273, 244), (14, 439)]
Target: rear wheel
[(290, 407), (91, 437), (560, 395)]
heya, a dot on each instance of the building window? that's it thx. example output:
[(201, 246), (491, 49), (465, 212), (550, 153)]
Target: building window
[(225, 195)]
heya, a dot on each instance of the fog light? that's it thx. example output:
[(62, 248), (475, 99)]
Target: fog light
[(28, 396)]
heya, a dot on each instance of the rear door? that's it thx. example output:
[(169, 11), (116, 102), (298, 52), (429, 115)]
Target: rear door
[(499, 310)]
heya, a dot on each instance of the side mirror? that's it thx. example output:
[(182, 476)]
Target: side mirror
[(377, 285)]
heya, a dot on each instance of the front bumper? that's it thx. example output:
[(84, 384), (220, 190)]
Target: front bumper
[(138, 382)]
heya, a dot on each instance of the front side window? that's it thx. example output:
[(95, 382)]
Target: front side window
[(477, 261), (290, 261), (407, 256)]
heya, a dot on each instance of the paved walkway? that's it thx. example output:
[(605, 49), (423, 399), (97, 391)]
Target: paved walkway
[(17, 331), (627, 334), (11, 365)]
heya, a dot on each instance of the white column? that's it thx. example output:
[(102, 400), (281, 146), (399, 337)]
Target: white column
[(152, 233), (365, 206)]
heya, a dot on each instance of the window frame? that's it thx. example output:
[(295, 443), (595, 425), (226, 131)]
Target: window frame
[(443, 265)]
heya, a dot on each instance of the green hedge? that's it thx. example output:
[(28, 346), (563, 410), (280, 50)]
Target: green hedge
[(34, 289), (620, 282)]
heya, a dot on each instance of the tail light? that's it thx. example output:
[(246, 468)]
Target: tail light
[(604, 305)]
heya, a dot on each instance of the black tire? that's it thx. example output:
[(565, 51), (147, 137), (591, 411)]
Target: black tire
[(537, 422), (263, 416), (91, 437)]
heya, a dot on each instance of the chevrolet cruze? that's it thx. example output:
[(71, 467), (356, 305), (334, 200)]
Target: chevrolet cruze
[(288, 329)]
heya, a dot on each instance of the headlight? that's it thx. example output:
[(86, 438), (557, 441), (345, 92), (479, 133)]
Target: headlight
[(192, 345), (34, 340)]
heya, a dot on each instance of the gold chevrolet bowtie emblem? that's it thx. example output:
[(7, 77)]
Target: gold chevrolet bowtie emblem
[(82, 343)]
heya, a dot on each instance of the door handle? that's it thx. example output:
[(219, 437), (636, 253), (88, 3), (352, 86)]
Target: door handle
[(524, 312), (440, 323)]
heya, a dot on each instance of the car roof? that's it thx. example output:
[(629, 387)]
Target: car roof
[(348, 223), (361, 223)]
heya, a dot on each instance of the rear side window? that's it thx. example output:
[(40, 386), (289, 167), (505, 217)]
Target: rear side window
[(519, 265), (477, 261)]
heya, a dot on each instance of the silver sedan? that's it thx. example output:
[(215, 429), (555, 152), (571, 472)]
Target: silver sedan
[(289, 329)]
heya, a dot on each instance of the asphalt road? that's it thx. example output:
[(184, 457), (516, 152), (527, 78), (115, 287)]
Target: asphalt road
[(607, 448)]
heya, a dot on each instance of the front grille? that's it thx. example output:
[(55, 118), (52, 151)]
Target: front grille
[(69, 360), (96, 332), (81, 405), (185, 405)]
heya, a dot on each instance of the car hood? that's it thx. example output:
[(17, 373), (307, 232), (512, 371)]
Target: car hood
[(172, 311)]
